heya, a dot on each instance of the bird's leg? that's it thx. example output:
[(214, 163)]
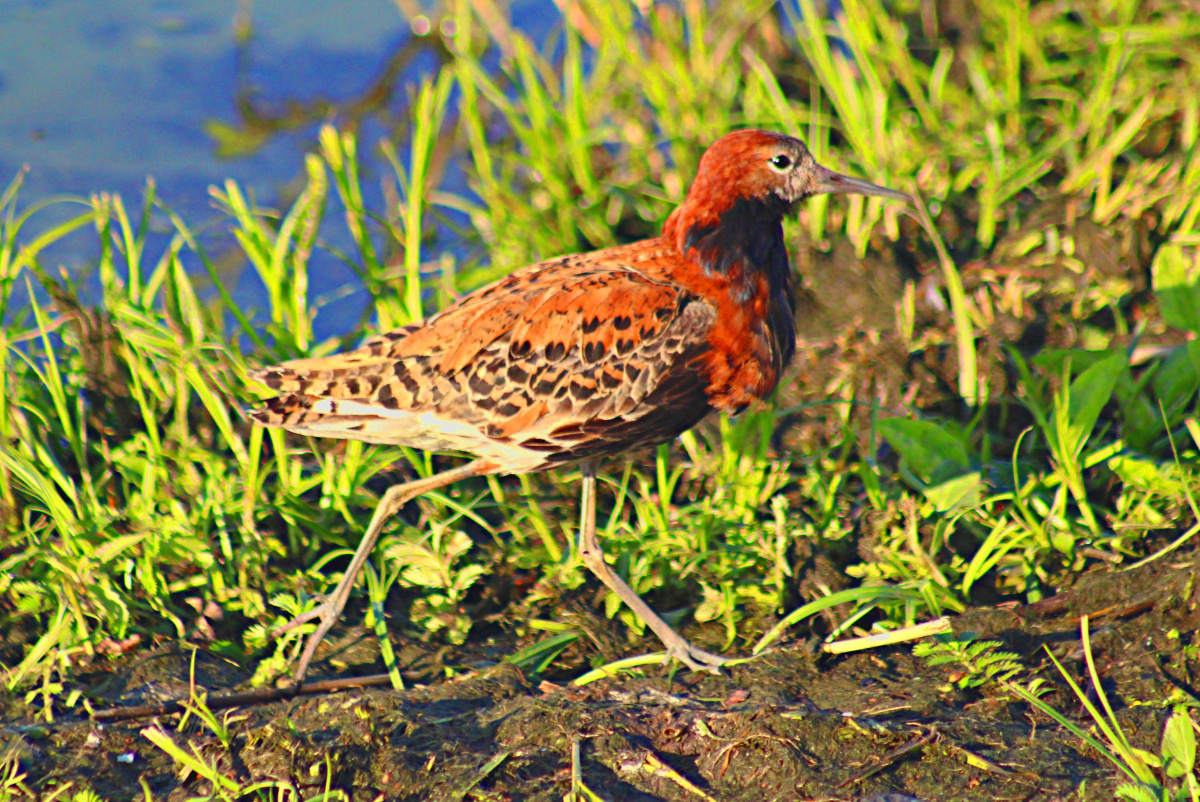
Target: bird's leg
[(393, 499), (589, 549)]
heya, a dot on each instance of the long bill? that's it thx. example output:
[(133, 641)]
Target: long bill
[(830, 182)]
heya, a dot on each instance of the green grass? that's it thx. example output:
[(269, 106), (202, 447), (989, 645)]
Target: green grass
[(1168, 776), (131, 484)]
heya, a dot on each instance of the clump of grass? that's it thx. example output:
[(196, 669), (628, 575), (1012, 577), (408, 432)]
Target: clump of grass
[(1163, 777)]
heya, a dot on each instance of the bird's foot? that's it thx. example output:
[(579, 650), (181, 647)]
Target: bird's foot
[(679, 648), (326, 614)]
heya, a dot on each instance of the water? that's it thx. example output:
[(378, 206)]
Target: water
[(98, 96)]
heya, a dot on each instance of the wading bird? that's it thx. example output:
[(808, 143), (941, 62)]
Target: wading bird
[(580, 357)]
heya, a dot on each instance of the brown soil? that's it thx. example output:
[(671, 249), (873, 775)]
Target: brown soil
[(785, 726)]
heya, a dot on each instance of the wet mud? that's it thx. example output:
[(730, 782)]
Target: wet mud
[(789, 725)]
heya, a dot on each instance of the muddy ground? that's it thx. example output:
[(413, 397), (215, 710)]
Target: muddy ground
[(878, 725)]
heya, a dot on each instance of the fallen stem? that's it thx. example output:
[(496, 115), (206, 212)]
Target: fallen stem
[(258, 697)]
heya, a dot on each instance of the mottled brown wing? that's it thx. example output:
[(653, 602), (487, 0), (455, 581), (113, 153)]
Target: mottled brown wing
[(577, 357)]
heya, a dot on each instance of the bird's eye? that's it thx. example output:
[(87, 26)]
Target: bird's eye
[(781, 161)]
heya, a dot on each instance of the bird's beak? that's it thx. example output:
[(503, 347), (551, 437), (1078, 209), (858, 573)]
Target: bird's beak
[(827, 181)]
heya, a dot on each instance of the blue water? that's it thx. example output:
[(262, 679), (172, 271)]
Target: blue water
[(98, 95)]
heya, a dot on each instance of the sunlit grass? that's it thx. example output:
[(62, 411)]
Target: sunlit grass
[(131, 483)]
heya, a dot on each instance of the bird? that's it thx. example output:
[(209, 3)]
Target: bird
[(581, 357)]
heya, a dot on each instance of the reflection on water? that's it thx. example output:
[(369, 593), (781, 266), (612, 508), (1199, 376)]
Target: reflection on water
[(98, 96)]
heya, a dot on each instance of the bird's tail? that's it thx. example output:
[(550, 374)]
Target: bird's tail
[(286, 411)]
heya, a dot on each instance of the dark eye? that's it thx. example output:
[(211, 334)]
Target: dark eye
[(781, 162)]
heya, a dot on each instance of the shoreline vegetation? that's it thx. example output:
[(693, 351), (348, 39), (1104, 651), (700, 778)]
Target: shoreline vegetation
[(997, 416)]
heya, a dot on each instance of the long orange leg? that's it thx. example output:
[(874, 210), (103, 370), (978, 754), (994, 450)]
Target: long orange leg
[(393, 499), (593, 557)]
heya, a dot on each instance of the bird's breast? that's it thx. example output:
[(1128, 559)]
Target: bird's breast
[(751, 339)]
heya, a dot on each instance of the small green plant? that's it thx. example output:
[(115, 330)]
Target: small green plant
[(432, 562), (1169, 776), (934, 459), (192, 761), (12, 777), (222, 787), (982, 661), (1176, 761), (1072, 421), (197, 705)]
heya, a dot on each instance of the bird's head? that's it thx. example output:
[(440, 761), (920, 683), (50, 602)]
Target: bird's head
[(764, 165), (747, 181)]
